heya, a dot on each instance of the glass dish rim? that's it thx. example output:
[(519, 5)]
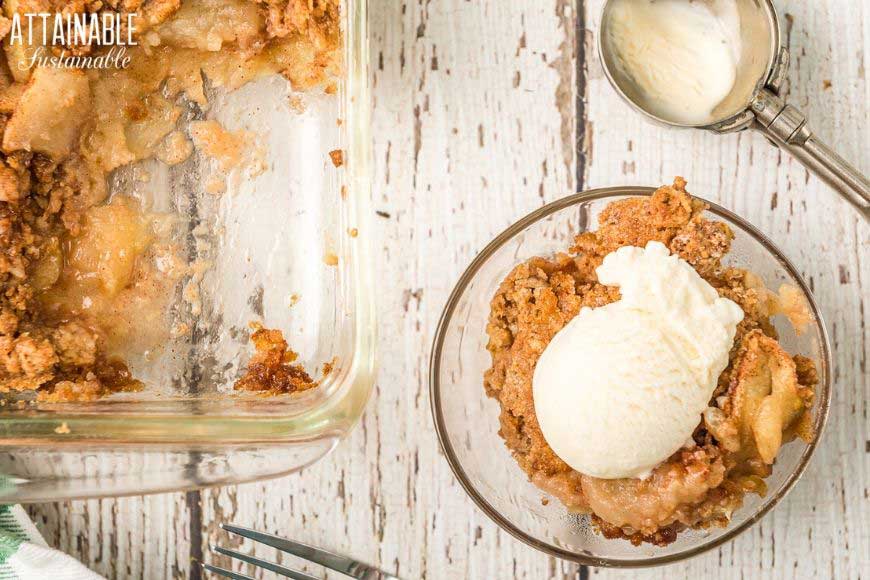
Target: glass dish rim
[(435, 386)]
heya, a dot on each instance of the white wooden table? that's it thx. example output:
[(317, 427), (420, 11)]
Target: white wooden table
[(483, 112)]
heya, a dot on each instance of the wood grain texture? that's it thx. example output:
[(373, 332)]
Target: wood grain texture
[(474, 124)]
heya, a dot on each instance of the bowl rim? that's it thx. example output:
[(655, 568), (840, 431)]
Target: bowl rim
[(435, 385)]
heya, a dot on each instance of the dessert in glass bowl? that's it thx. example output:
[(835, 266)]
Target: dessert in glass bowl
[(640, 379)]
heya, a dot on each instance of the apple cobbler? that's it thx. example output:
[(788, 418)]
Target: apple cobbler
[(761, 401), (86, 274)]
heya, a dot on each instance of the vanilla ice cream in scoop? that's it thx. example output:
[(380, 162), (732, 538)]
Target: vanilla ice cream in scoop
[(622, 387)]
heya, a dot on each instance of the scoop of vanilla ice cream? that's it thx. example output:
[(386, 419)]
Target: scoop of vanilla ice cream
[(622, 387), (681, 55)]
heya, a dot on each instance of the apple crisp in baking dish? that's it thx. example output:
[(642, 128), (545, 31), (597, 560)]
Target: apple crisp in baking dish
[(88, 273)]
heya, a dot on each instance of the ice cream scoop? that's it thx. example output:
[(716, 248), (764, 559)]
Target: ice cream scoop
[(680, 56), (622, 387), (672, 60)]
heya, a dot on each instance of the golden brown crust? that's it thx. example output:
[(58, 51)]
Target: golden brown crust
[(697, 487), (316, 20)]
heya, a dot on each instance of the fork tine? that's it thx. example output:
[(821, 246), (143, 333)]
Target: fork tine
[(332, 561), (263, 564), (226, 573)]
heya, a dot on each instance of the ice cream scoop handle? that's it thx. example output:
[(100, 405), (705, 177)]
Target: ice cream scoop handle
[(787, 127), (832, 168)]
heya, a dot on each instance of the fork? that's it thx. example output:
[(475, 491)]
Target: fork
[(329, 560)]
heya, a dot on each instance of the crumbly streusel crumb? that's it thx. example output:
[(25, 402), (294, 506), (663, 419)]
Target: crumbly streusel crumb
[(271, 369)]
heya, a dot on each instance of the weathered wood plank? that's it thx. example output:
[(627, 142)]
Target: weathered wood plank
[(474, 116), (121, 538)]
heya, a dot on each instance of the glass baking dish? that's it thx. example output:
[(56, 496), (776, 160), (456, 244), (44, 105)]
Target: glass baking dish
[(275, 254)]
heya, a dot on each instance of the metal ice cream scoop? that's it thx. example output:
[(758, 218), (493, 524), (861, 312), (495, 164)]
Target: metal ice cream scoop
[(754, 100)]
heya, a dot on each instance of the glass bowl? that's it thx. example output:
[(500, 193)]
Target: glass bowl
[(467, 420)]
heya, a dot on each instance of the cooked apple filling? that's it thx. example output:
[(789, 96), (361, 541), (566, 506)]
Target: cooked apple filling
[(86, 276)]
